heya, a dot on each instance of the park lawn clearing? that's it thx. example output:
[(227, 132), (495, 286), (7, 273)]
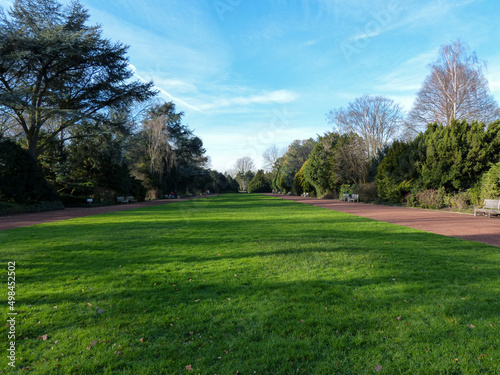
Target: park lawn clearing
[(248, 284)]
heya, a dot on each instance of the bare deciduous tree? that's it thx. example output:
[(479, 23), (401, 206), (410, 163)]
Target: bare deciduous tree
[(159, 150), (350, 158), (455, 89), (271, 156), (244, 165), (376, 119)]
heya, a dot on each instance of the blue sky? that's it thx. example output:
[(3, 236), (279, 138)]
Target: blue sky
[(252, 73)]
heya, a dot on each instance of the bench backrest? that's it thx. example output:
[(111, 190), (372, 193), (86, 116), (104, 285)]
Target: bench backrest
[(492, 203)]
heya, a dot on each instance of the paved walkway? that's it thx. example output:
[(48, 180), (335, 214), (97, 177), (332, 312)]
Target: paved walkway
[(464, 226)]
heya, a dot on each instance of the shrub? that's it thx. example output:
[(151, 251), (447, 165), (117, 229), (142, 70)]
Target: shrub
[(460, 200), (490, 183), (345, 189), (328, 195), (410, 200), (22, 178), (9, 208), (73, 200), (475, 195), (430, 198), (367, 192)]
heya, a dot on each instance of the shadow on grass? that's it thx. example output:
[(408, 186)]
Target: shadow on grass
[(317, 287)]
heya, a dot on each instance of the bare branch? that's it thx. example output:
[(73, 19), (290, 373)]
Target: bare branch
[(455, 89), (376, 119)]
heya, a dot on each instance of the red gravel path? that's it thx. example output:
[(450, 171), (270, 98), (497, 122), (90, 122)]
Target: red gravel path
[(464, 226)]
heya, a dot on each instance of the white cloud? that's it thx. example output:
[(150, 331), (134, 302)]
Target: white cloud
[(273, 97), (388, 16)]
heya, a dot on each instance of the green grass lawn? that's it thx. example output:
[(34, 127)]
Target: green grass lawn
[(248, 284)]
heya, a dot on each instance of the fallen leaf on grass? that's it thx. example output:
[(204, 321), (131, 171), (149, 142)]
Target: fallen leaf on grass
[(91, 344), (197, 300), (399, 317), (88, 303), (378, 368), (189, 367), (472, 326), (118, 353), (142, 339), (44, 337)]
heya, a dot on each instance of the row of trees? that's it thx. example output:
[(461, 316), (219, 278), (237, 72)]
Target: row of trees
[(440, 153), (455, 89), (72, 118), (459, 158)]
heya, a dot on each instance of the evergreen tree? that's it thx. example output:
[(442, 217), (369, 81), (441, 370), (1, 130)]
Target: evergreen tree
[(259, 183), (55, 70)]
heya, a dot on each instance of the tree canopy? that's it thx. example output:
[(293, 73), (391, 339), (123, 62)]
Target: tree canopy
[(55, 70)]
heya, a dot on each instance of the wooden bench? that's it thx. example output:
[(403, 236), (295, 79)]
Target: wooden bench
[(131, 199), (121, 200), (353, 198), (350, 197), (490, 207)]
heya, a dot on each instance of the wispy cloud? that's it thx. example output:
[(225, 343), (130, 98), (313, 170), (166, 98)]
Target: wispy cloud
[(409, 75), (164, 92), (430, 13), (391, 17), (273, 97)]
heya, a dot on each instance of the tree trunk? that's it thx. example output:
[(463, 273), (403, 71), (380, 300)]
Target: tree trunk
[(33, 146)]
